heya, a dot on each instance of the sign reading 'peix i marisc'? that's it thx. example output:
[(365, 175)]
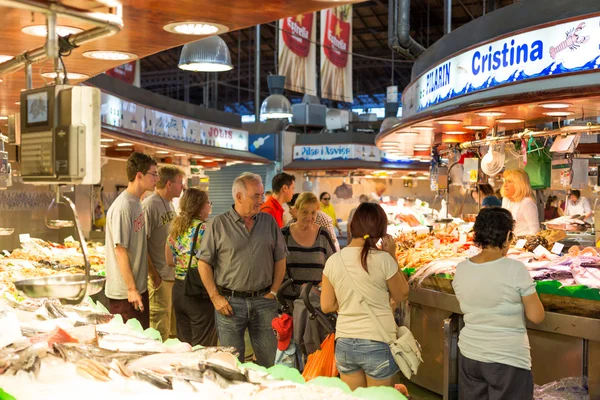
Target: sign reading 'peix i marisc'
[(337, 152), (565, 48)]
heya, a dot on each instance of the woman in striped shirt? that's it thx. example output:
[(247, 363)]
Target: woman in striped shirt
[(309, 244)]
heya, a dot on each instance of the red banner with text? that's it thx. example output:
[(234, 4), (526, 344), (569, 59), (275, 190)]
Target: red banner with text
[(298, 54), (336, 53)]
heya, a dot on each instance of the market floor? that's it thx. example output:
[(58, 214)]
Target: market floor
[(418, 393)]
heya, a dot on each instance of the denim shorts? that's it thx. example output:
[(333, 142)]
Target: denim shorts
[(374, 358)]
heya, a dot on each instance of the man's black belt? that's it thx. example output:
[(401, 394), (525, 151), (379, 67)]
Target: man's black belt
[(235, 293)]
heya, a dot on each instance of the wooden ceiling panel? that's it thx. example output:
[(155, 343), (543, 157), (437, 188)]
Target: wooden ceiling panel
[(142, 34)]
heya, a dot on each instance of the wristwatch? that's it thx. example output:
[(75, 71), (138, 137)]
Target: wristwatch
[(273, 293)]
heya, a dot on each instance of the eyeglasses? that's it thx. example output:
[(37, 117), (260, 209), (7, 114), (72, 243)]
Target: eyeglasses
[(210, 203), (154, 174), (327, 198)]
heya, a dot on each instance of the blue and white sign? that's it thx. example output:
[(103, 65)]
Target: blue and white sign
[(337, 152), (264, 145), (566, 48)]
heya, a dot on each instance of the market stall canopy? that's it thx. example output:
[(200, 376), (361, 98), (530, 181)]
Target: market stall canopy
[(142, 35), (532, 77)]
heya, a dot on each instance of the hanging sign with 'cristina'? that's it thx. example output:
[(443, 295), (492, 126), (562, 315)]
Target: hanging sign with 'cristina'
[(565, 48), (336, 53), (298, 54)]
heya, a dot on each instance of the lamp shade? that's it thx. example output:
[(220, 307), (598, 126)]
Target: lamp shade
[(388, 123), (207, 55), (276, 106)]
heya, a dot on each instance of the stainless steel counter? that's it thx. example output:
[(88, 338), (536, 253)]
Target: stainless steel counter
[(561, 346)]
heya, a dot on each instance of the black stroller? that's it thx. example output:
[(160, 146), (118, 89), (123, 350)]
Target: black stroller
[(311, 325)]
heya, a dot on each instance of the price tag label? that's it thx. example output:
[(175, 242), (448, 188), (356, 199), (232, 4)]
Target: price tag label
[(10, 329), (520, 243), (437, 244), (462, 238), (540, 251), (69, 239), (24, 237), (6, 253), (557, 248), (455, 248)]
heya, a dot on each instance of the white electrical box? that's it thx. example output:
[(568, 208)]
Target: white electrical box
[(337, 119), (567, 175), (60, 135)]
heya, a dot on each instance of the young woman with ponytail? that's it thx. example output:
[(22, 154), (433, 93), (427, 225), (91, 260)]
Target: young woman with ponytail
[(362, 355)]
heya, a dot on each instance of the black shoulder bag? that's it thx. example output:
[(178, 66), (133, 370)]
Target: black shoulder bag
[(193, 283)]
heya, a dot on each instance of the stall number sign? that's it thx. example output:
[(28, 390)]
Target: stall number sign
[(337, 152), (560, 49), (125, 114)]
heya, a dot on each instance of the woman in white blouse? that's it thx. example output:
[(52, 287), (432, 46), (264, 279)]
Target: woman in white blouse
[(577, 205), (518, 198)]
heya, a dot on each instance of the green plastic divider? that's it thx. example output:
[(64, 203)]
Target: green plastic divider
[(579, 291), (543, 287), (330, 382), (6, 396), (378, 393)]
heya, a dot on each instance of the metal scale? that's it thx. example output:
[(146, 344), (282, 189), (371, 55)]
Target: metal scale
[(60, 142), (60, 146)]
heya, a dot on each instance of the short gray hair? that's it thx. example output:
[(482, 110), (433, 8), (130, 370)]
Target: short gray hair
[(240, 185)]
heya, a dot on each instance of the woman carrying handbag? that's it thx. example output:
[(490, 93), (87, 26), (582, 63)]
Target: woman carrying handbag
[(194, 312), (359, 273)]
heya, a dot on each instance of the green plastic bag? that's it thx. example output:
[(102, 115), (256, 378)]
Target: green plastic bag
[(539, 164)]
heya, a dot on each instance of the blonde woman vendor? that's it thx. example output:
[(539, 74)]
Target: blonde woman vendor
[(518, 198)]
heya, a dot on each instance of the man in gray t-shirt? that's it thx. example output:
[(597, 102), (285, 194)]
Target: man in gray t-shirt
[(127, 244), (242, 263), (159, 212)]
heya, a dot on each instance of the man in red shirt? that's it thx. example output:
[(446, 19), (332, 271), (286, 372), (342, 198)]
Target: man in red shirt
[(283, 186)]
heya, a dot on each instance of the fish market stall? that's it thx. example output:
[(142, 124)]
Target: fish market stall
[(568, 286), (63, 351), (536, 112)]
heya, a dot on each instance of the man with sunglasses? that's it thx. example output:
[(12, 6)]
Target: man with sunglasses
[(127, 244), (328, 209)]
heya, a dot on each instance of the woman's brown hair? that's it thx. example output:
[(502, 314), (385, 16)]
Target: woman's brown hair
[(369, 222), (190, 205)]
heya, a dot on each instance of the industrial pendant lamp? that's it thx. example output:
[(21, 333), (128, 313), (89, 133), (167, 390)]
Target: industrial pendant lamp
[(206, 55), (276, 106)]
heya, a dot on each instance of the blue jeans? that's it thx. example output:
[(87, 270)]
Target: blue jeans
[(374, 358), (256, 314)]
